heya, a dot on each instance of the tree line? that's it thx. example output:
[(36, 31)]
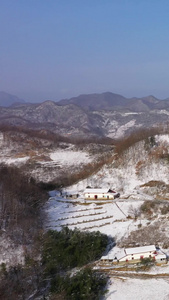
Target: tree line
[(61, 272)]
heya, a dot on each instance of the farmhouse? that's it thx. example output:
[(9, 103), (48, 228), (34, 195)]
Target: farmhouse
[(100, 194), (136, 254)]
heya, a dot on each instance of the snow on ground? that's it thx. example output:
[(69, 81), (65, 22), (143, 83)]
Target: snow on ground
[(132, 288), (123, 128), (119, 131), (14, 161), (136, 168), (162, 111), (70, 157), (9, 253), (111, 218), (162, 138), (129, 113), (1, 138), (61, 158), (108, 218)]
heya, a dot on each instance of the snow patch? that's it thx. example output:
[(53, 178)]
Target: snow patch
[(131, 288), (14, 161), (162, 138), (70, 157)]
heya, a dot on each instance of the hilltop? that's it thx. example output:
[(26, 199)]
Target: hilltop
[(111, 101)]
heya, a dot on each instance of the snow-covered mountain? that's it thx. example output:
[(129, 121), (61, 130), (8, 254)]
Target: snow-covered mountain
[(141, 163), (98, 115)]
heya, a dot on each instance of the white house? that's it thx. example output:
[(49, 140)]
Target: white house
[(135, 254), (100, 194)]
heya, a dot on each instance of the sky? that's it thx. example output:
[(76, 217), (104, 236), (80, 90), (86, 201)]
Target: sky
[(57, 49)]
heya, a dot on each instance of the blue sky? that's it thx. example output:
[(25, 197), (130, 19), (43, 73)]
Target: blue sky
[(55, 49)]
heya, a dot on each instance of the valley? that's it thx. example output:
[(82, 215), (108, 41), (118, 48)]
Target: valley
[(139, 217)]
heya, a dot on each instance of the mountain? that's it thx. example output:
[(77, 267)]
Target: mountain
[(100, 115), (65, 120), (97, 101), (111, 101), (73, 120), (8, 99)]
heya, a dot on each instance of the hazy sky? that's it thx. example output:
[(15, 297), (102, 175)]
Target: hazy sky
[(55, 49)]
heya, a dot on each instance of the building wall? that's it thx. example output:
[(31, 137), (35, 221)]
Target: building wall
[(138, 256), (99, 196)]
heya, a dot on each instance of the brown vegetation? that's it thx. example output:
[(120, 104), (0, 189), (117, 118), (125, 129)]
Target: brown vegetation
[(19, 131), (35, 139), (149, 235), (20, 202), (135, 137), (153, 183), (139, 166)]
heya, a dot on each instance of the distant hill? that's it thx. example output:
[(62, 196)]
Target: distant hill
[(111, 101), (97, 101), (8, 99)]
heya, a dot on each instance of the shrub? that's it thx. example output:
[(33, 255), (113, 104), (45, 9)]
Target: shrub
[(147, 262), (147, 207)]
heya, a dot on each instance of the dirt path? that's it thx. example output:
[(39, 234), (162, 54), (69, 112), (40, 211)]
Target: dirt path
[(136, 274)]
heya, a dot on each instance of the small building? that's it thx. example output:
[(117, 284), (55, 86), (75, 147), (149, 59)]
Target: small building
[(100, 194), (161, 258), (132, 255)]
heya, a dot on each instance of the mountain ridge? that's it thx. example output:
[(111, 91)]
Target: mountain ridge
[(100, 115), (109, 100), (96, 101)]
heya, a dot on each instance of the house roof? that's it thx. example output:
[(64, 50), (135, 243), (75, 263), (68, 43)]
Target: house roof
[(160, 256), (120, 254), (96, 191), (128, 251), (140, 249)]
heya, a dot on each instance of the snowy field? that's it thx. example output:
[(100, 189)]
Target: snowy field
[(61, 158), (70, 157), (109, 218), (123, 288)]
